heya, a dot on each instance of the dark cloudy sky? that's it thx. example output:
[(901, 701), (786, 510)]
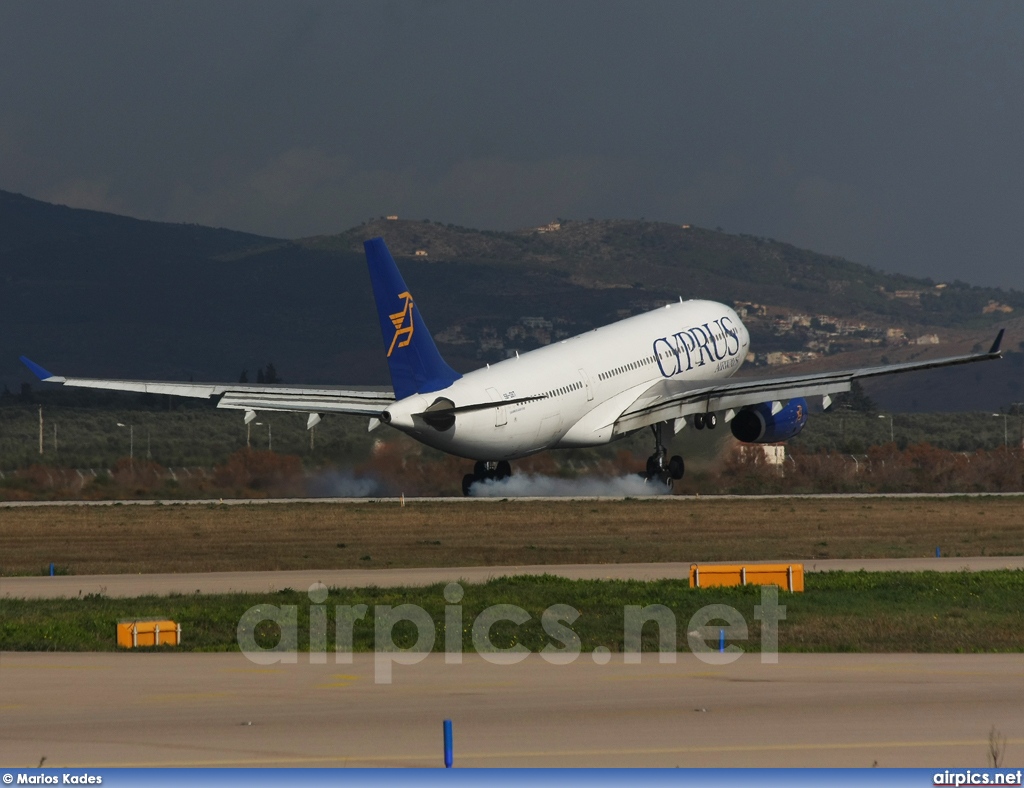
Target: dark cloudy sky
[(888, 132)]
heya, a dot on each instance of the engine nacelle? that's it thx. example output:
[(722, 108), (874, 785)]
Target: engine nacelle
[(757, 424)]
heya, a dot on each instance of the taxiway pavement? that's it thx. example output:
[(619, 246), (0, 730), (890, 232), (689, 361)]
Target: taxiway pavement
[(268, 582), (124, 709)]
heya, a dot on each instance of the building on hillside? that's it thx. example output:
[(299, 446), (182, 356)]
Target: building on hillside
[(772, 454), (779, 358)]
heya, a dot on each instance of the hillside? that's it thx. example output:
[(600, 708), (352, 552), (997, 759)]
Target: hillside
[(693, 262), (90, 293)]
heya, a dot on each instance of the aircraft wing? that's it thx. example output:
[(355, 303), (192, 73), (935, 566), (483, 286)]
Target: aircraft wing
[(668, 399), (353, 400)]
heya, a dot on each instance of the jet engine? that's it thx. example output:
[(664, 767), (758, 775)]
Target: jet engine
[(757, 423)]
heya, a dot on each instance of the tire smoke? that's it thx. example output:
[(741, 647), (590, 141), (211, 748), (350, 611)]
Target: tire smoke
[(536, 485)]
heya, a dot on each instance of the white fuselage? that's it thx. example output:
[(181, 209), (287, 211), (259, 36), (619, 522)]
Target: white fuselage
[(583, 383)]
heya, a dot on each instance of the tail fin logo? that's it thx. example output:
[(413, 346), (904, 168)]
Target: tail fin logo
[(403, 324)]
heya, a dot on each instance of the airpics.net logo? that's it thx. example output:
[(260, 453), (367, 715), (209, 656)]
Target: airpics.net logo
[(951, 777), (707, 632)]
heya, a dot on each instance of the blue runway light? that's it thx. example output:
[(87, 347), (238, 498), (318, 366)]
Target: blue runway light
[(721, 640), (448, 753)]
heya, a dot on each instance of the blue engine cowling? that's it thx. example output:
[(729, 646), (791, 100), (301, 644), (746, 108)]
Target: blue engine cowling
[(756, 424)]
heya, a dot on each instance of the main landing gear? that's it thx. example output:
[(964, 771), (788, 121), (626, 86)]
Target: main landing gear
[(483, 471), (659, 466), (702, 420)]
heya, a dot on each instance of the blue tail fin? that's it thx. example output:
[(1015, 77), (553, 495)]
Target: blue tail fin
[(416, 366)]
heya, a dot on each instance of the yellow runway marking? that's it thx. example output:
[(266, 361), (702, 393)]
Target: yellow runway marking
[(340, 680)]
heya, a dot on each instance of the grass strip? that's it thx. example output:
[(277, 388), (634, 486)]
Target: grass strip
[(876, 612)]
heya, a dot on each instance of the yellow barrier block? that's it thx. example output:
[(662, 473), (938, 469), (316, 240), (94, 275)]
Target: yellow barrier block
[(786, 576), (148, 632)]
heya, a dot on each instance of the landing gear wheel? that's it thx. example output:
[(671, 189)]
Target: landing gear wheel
[(698, 421), (657, 462), (676, 467), (486, 471), (710, 420)]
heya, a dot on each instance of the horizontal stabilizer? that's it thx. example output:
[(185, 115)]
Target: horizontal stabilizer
[(446, 406)]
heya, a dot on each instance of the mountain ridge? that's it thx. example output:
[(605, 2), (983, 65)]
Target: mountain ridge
[(91, 293)]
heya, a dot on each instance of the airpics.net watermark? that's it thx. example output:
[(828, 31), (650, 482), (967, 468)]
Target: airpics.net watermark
[(706, 632)]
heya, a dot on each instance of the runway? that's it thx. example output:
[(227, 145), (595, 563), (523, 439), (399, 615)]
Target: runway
[(488, 499), (91, 710), (268, 582)]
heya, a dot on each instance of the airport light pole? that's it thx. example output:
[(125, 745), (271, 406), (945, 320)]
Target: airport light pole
[(270, 435), (889, 417), (1006, 438), (131, 443)]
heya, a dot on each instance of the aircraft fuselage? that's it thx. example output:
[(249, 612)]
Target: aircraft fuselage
[(581, 384)]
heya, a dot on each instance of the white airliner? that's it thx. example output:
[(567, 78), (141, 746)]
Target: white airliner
[(664, 370)]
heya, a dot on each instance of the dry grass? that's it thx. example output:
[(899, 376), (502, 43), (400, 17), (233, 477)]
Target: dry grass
[(197, 538)]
